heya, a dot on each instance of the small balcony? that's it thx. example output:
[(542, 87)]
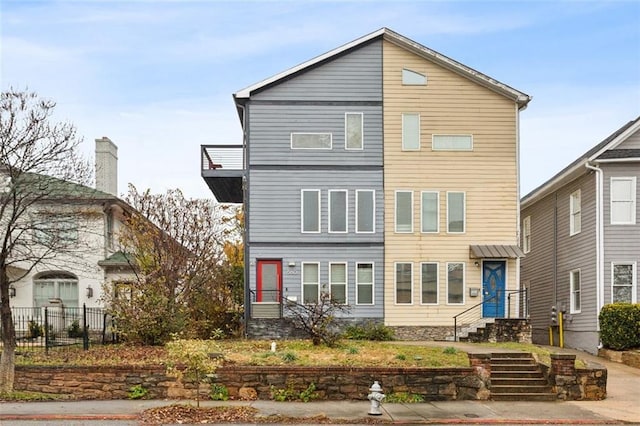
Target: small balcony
[(222, 168)]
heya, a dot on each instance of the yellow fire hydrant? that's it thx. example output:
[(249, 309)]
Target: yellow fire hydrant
[(376, 397)]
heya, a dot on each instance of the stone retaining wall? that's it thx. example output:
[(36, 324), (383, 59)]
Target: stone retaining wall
[(339, 383)]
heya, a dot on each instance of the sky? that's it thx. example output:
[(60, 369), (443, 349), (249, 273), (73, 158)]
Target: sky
[(157, 77)]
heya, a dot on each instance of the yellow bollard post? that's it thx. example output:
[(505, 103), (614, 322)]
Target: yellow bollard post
[(550, 336), (560, 331)]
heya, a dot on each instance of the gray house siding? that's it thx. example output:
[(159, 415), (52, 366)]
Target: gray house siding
[(356, 75), (578, 252), (633, 142), (276, 204), (537, 267), (621, 242), (316, 101), (324, 254), (272, 125), (554, 254)]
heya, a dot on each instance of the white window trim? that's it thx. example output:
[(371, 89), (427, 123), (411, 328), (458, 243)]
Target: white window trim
[(464, 283), (402, 131), (437, 212), (573, 229), (395, 283), (346, 281), (437, 283), (433, 146), (464, 211), (373, 213), (361, 114), (302, 191), (346, 211), (311, 133), (396, 211), (634, 281), (572, 292), (526, 232), (373, 283), (633, 199), (302, 265)]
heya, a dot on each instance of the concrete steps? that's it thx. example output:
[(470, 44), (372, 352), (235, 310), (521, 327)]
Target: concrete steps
[(517, 377)]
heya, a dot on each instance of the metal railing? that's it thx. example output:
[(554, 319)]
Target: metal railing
[(267, 297), (56, 327), (225, 157), (475, 313)]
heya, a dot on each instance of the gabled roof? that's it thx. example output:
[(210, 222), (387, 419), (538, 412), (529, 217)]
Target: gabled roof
[(520, 98), (603, 151)]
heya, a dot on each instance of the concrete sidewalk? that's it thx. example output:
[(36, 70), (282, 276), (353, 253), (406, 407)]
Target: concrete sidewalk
[(443, 412)]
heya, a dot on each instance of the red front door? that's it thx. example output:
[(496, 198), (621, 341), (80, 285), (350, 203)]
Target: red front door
[(269, 281)]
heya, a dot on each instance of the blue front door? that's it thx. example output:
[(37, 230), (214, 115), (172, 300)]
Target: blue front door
[(493, 285)]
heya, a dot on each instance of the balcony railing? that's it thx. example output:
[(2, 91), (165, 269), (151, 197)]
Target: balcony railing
[(224, 157), (222, 168)]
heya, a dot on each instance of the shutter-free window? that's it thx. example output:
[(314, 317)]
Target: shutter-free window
[(430, 212), (410, 132), (364, 284), (455, 212), (353, 130), (404, 281), (365, 211), (310, 140), (623, 201), (452, 143), (404, 211), (310, 282), (338, 211), (310, 210), (429, 283)]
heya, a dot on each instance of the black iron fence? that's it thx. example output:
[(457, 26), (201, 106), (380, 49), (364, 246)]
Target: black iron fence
[(56, 327)]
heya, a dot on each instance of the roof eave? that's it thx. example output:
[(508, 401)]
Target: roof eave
[(520, 98)]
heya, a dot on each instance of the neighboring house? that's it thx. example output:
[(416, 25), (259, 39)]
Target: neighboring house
[(91, 218), (384, 173), (581, 236)]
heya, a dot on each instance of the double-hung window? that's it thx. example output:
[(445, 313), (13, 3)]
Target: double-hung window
[(526, 234), (310, 208), (430, 212), (455, 212), (576, 294), (455, 283), (338, 282), (338, 211), (404, 281), (353, 131), (623, 281), (410, 132), (575, 218), (365, 210), (404, 211), (364, 283), (310, 282), (429, 283), (623, 200)]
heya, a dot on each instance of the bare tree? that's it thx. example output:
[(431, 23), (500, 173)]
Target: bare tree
[(176, 248), (39, 159), (318, 318)]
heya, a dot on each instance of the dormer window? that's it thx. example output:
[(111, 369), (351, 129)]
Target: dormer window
[(413, 78)]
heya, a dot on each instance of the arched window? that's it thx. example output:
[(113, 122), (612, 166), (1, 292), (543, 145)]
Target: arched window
[(55, 285)]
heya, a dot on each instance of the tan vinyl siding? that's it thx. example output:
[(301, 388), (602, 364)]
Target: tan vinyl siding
[(447, 104)]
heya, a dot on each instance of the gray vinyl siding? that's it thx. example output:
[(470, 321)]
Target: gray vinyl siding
[(633, 142), (355, 75), (315, 101), (621, 242), (554, 254), (537, 267), (272, 125), (292, 277), (275, 213), (578, 252)]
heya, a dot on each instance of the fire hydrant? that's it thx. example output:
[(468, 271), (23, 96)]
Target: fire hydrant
[(376, 396)]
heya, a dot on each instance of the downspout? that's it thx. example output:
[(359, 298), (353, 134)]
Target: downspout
[(517, 277), (599, 240)]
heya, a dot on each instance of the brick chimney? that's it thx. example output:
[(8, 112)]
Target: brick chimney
[(106, 166)]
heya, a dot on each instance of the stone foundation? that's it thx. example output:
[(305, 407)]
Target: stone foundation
[(422, 332)]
